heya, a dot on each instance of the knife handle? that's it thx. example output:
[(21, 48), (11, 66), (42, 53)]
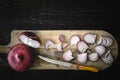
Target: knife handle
[(88, 68)]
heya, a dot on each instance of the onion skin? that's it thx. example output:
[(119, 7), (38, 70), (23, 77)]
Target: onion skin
[(20, 57), (62, 38)]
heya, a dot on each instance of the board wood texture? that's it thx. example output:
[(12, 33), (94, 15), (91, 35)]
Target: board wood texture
[(53, 53)]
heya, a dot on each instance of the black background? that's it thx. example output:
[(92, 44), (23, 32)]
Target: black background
[(62, 15)]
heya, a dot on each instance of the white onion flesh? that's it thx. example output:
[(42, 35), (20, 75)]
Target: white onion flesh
[(48, 43), (93, 57), (59, 47), (108, 58), (74, 40), (67, 56), (82, 58), (82, 46), (106, 41), (62, 38), (90, 38), (28, 41), (100, 49)]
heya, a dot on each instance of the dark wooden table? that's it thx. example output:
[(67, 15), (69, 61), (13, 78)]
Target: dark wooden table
[(62, 15)]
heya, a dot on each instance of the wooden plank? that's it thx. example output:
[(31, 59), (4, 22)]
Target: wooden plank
[(53, 53)]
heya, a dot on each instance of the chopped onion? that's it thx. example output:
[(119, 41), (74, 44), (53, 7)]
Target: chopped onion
[(82, 58), (48, 43), (93, 56), (59, 47), (82, 46), (67, 56), (74, 40)]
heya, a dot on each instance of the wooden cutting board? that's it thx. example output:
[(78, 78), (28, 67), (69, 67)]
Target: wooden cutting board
[(54, 54)]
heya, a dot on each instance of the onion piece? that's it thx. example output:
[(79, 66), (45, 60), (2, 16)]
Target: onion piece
[(65, 45), (109, 41), (48, 43), (108, 57), (93, 56), (82, 58), (100, 40), (106, 41), (59, 47), (100, 49), (90, 38), (29, 39), (74, 40), (82, 46), (67, 56), (62, 38)]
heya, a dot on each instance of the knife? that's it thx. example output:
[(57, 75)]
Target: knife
[(66, 64)]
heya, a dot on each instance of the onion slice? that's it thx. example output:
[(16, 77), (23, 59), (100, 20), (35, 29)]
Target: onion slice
[(48, 43), (108, 58), (82, 46), (59, 47), (67, 56), (106, 41), (93, 57), (100, 49), (62, 38), (74, 40), (30, 39), (82, 58), (90, 38)]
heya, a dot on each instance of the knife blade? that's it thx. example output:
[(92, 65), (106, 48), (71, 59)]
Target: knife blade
[(66, 64)]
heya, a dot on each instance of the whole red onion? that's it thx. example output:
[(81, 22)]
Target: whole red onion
[(20, 57)]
